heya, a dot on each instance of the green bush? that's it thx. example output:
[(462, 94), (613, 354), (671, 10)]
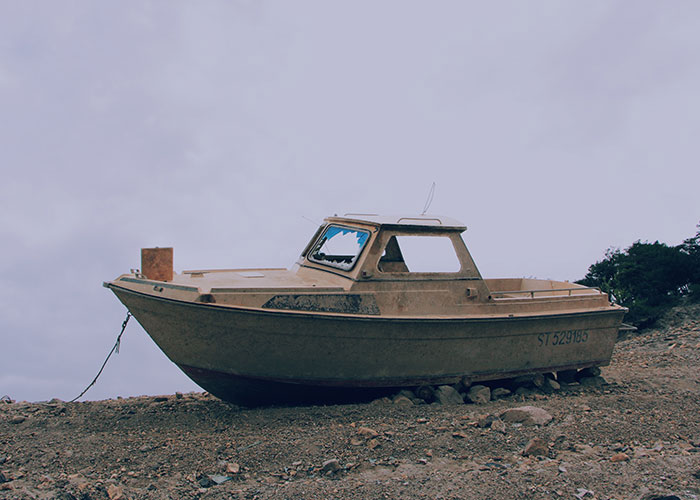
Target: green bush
[(648, 278)]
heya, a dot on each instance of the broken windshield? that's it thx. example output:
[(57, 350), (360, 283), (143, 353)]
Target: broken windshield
[(339, 247)]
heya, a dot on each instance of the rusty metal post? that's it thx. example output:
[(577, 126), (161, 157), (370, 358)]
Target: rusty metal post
[(157, 263)]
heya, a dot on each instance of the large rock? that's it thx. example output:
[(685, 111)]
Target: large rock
[(479, 394), (447, 395), (526, 415)]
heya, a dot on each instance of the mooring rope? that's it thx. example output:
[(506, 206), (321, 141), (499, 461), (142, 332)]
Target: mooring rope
[(114, 348)]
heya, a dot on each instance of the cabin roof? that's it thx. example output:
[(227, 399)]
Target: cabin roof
[(404, 221)]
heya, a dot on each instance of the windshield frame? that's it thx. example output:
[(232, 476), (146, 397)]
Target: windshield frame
[(340, 265)]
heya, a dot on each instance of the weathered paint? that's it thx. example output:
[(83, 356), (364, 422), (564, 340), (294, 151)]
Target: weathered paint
[(351, 303)]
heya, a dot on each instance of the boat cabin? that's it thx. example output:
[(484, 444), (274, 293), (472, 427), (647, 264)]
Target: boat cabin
[(370, 246)]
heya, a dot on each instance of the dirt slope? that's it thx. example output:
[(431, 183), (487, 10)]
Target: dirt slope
[(638, 436)]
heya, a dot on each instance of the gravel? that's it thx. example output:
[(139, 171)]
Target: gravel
[(633, 433)]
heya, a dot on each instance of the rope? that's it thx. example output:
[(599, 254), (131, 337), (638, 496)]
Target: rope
[(114, 348)]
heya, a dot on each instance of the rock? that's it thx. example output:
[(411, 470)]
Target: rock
[(218, 479), (479, 394), (593, 371), (551, 384), (3, 479), (178, 395), (406, 394), (447, 395), (656, 496), (367, 432), (3, 459), (18, 419), (620, 457), (524, 391), (372, 444), (583, 492), (205, 482), (381, 401), (538, 380), (566, 376), (500, 392), (426, 393), (464, 383), (485, 421), (330, 466), (498, 425), (115, 492), (592, 381), (536, 448), (584, 449), (160, 399), (402, 401), (233, 468), (522, 381), (526, 415)]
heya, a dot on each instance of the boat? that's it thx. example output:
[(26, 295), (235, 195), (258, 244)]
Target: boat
[(373, 304)]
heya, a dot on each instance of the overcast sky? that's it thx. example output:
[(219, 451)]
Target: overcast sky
[(552, 129)]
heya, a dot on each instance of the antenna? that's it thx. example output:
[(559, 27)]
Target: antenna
[(431, 194), (310, 220)]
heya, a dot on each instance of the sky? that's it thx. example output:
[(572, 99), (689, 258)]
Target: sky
[(228, 129)]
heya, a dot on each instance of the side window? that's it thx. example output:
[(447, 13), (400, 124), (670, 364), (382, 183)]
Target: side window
[(339, 247), (419, 254)]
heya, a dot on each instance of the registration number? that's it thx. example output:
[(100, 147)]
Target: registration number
[(563, 337)]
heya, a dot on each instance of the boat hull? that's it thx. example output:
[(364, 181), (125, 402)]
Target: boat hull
[(253, 356)]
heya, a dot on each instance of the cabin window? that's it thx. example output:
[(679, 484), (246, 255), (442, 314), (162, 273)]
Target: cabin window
[(419, 254), (339, 247)]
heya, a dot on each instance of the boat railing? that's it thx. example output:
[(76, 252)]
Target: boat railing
[(589, 290)]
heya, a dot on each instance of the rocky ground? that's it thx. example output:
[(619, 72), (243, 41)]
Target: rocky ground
[(635, 434)]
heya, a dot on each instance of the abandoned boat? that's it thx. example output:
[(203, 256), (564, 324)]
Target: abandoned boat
[(373, 303)]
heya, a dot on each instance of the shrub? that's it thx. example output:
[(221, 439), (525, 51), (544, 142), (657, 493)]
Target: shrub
[(648, 278)]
